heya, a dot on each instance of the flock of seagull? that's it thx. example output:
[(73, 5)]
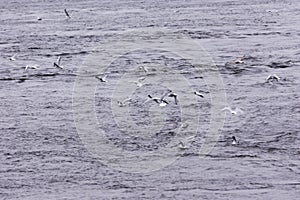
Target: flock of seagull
[(55, 64), (161, 101)]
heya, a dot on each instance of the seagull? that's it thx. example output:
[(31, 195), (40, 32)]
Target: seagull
[(102, 78), (57, 63), (12, 58), (182, 146), (184, 126), (123, 103), (239, 60), (234, 112), (273, 77), (138, 82), (67, 14), (158, 100), (234, 141), (191, 138), (173, 95), (31, 66), (144, 68), (161, 101), (198, 94)]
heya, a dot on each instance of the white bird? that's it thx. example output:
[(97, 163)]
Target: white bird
[(184, 126), (57, 63), (172, 95), (139, 82), (102, 78), (67, 14), (158, 100), (198, 94), (235, 111), (123, 103), (12, 58), (31, 66), (273, 77), (182, 146), (239, 60), (161, 101), (144, 68), (190, 138), (234, 141)]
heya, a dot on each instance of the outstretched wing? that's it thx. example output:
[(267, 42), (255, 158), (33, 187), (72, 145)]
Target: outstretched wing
[(58, 60), (128, 99), (227, 109), (176, 101), (166, 94), (66, 12)]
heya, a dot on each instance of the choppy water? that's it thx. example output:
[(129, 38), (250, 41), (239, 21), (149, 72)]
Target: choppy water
[(42, 155)]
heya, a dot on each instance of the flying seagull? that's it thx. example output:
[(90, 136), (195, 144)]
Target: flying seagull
[(198, 94), (233, 140), (31, 67), (57, 63), (144, 68), (184, 126), (67, 14), (158, 100), (171, 94), (273, 77), (139, 82), (182, 146), (235, 111), (102, 78), (239, 60), (12, 58), (123, 103)]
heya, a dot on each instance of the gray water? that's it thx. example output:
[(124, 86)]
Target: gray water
[(42, 155)]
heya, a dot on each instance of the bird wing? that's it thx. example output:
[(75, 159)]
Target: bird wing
[(58, 60), (145, 69), (101, 78), (67, 13), (277, 77), (128, 99), (104, 77), (58, 66), (269, 77), (175, 97), (198, 94), (141, 79), (166, 94), (163, 101), (147, 101), (226, 108)]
